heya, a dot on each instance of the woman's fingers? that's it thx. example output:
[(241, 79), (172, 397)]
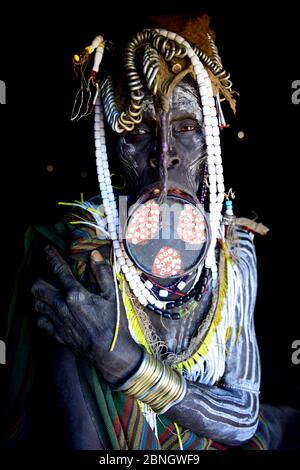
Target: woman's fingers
[(60, 268), (44, 291), (46, 325), (103, 275), (44, 309)]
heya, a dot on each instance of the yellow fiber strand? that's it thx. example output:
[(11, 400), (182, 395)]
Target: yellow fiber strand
[(87, 208), (61, 203), (226, 252), (114, 340), (113, 343), (81, 201), (222, 294), (191, 362), (132, 316), (140, 405), (184, 364), (238, 334), (228, 333), (178, 435), (197, 358)]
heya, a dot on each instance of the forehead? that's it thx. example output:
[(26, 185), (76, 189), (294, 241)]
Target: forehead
[(184, 101)]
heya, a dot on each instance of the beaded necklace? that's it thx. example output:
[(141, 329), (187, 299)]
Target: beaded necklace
[(118, 121), (195, 293)]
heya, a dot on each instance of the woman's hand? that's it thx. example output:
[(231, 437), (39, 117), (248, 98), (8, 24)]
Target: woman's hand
[(86, 322)]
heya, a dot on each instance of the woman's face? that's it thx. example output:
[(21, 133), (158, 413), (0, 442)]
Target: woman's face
[(140, 150)]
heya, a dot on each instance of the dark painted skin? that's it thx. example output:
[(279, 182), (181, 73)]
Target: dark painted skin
[(85, 322), (139, 151)]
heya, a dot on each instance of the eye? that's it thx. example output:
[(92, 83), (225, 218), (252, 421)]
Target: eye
[(140, 131), (186, 126)]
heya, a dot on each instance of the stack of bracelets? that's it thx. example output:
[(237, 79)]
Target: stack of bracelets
[(155, 384)]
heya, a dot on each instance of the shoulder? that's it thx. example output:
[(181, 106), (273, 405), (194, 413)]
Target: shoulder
[(242, 271), (245, 246)]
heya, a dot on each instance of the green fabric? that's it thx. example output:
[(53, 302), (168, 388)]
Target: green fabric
[(20, 334), (21, 355), (98, 396)]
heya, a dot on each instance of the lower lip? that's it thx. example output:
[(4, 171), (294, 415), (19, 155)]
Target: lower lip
[(166, 241)]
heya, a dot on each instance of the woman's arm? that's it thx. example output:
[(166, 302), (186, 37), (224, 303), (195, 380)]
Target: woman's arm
[(228, 412)]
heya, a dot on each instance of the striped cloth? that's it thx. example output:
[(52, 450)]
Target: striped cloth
[(127, 428)]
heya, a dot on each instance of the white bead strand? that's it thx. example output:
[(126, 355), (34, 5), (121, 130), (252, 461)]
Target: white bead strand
[(215, 174), (212, 135), (136, 285)]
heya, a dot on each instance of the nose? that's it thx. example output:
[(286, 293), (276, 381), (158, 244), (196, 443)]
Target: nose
[(173, 161)]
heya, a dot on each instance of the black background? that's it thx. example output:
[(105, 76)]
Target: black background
[(260, 47)]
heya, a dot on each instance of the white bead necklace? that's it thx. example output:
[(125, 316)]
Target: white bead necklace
[(215, 180)]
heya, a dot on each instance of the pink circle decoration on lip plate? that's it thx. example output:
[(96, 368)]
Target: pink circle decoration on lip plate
[(144, 224), (167, 262), (191, 226)]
